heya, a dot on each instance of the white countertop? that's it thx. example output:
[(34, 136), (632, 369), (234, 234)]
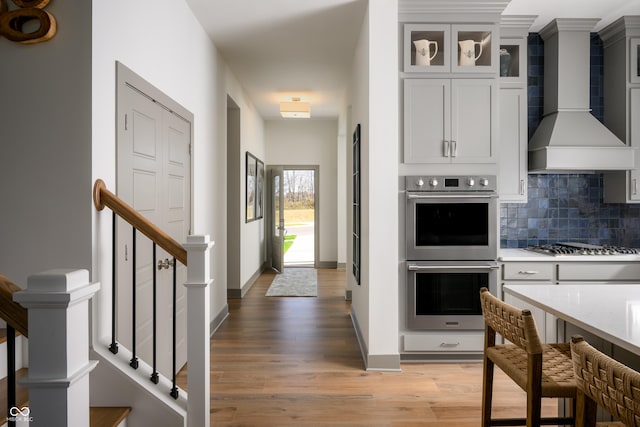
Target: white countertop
[(527, 256), (611, 312)]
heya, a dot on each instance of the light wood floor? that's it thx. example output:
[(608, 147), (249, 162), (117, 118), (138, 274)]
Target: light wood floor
[(296, 362)]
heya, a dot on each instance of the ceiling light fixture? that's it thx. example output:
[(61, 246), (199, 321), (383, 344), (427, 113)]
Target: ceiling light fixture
[(295, 109)]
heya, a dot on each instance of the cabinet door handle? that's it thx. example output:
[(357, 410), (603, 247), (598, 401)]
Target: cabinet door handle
[(522, 187), (635, 186), (446, 148), (454, 148), (529, 272)]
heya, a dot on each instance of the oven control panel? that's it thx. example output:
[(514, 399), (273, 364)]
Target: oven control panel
[(443, 183)]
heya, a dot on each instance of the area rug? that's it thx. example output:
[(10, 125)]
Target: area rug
[(294, 282)]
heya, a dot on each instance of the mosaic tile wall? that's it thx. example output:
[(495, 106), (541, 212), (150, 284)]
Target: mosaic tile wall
[(566, 207)]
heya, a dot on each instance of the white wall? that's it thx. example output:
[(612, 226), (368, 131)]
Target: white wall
[(359, 102), (374, 101), (45, 148), (344, 143), (311, 142), (163, 42)]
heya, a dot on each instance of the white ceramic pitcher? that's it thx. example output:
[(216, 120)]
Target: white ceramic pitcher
[(423, 51), (468, 52)]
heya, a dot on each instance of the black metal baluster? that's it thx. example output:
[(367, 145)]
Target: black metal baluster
[(154, 375), (174, 389), (134, 359), (113, 348), (11, 374)]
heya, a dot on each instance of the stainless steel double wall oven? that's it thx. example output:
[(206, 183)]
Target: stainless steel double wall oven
[(451, 249)]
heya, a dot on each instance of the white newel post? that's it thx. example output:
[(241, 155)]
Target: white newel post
[(59, 365), (198, 318)]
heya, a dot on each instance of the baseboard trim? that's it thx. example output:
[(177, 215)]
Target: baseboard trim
[(327, 264), (234, 293), (374, 362), (240, 293), (342, 265), (347, 294), (383, 362), (218, 320), (361, 343)]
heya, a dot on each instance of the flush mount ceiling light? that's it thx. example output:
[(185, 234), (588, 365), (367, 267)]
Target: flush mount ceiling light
[(295, 109)]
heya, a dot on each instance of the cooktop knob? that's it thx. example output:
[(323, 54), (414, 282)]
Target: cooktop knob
[(433, 182), (419, 182), (471, 182), (484, 182)]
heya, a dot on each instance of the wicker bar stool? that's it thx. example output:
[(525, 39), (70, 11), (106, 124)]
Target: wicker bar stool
[(541, 370), (604, 381)]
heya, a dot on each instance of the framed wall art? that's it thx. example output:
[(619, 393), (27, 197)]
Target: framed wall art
[(254, 197), (356, 204)]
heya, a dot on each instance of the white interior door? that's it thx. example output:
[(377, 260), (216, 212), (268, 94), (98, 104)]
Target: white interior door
[(153, 176), (276, 223)]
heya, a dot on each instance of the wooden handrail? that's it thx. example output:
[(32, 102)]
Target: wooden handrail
[(10, 311), (103, 197)]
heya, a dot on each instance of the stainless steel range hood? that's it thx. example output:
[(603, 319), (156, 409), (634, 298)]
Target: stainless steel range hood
[(569, 138)]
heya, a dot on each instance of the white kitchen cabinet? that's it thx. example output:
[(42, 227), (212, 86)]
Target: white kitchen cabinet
[(439, 341), (621, 41), (445, 48), (513, 145), (560, 272), (531, 273), (512, 57), (450, 120)]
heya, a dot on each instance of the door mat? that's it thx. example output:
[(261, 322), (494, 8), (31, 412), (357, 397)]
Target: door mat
[(294, 282)]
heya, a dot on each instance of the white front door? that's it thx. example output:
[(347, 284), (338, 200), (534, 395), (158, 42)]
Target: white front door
[(276, 217), (153, 176)]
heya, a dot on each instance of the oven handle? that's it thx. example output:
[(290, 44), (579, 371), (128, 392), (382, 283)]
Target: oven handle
[(416, 267), (412, 196)]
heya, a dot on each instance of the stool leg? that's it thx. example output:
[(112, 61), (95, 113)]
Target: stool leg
[(534, 390), (487, 391), (585, 411)]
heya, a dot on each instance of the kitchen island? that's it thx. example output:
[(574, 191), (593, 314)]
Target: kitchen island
[(611, 312)]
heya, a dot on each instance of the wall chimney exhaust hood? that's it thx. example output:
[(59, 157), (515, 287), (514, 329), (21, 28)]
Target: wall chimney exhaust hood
[(569, 138)]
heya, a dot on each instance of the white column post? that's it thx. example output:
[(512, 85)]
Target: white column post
[(59, 365), (198, 319)]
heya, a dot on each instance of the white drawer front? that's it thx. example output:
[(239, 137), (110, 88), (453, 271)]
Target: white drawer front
[(528, 271), (603, 271), (445, 342)]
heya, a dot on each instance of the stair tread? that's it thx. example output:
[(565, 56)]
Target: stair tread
[(22, 395), (108, 416), (3, 335)]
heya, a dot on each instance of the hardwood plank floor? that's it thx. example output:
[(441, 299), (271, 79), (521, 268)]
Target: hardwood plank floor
[(296, 362)]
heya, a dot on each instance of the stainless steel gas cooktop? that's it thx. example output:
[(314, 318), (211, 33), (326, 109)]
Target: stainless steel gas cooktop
[(574, 248)]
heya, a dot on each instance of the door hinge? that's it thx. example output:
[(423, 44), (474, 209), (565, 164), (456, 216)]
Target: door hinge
[(126, 120), (189, 149)]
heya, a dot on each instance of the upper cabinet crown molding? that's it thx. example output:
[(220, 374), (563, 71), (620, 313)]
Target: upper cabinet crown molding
[(516, 26), (452, 6), (619, 29), (451, 11)]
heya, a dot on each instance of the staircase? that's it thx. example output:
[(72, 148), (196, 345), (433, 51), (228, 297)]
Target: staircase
[(98, 416), (60, 381)]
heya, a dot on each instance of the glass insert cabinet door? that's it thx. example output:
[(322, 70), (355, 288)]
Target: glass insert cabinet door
[(512, 57), (446, 48), (634, 72), (427, 48), (475, 47)]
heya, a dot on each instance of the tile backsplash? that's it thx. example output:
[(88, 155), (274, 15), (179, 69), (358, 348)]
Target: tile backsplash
[(566, 207)]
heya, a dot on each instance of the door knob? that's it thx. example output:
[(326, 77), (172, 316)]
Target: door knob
[(165, 263)]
